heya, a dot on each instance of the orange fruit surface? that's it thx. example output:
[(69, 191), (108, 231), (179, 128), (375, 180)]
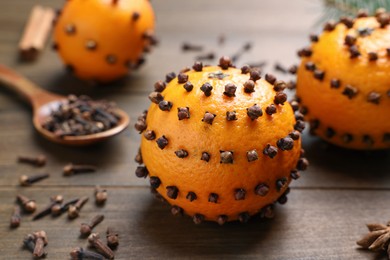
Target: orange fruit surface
[(361, 121), (101, 39), (191, 174)]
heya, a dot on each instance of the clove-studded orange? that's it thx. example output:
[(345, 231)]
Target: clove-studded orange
[(220, 143), (344, 82), (101, 40)]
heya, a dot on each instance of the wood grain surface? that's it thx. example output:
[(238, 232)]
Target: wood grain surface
[(327, 209)]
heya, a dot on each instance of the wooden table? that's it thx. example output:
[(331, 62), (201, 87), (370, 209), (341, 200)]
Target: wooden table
[(327, 209)]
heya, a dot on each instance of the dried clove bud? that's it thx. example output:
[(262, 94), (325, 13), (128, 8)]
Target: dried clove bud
[(188, 86), (112, 238), (354, 51), (183, 113), (198, 218), (245, 69), (182, 78), (231, 115), (172, 192), (225, 62), (319, 74), (95, 241), (39, 160), (330, 26), (280, 98), (335, 83), (239, 194), (159, 86), (27, 204), (191, 196), (165, 105), (213, 198), (230, 90), (270, 151), (313, 37), (181, 153), (16, 217), (141, 172), (222, 219), (198, 66), (25, 180), (350, 91), (286, 143), (156, 97), (170, 76), (155, 182), (101, 195), (208, 118), (280, 183), (279, 85), (40, 243), (305, 52), (249, 86), (80, 253), (205, 156), (162, 142), (349, 40), (373, 97), (372, 56), (254, 112), (261, 189), (71, 169), (86, 228), (244, 217), (270, 78), (55, 200), (252, 155), (270, 110), (310, 66), (149, 135), (226, 157), (302, 164), (206, 88), (254, 75), (74, 210)]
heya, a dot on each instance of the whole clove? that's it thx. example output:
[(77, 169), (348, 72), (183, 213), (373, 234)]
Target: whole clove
[(25, 180), (81, 115), (80, 253), (100, 195), (40, 243), (55, 200), (86, 228), (16, 217), (39, 160), (191, 47), (57, 209), (95, 241), (112, 238), (27, 204), (74, 210), (71, 169)]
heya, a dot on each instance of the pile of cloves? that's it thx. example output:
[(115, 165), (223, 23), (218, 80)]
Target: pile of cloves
[(81, 116)]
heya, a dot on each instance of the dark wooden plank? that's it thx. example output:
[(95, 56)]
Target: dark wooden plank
[(314, 224)]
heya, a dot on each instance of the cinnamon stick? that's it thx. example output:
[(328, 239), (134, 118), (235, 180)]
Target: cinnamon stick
[(36, 32)]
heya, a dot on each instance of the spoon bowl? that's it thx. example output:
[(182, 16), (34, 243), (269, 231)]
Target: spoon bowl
[(44, 102)]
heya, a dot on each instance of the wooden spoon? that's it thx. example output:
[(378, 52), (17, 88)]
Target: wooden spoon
[(43, 102)]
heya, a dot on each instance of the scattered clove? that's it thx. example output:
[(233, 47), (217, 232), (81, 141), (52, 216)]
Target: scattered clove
[(39, 160), (95, 241), (27, 204), (16, 217), (86, 228), (79, 253), (25, 180), (191, 47), (40, 243), (57, 209), (55, 200), (29, 242), (71, 169), (74, 210), (112, 238), (100, 196)]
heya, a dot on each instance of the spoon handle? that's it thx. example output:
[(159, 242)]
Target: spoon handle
[(28, 90)]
